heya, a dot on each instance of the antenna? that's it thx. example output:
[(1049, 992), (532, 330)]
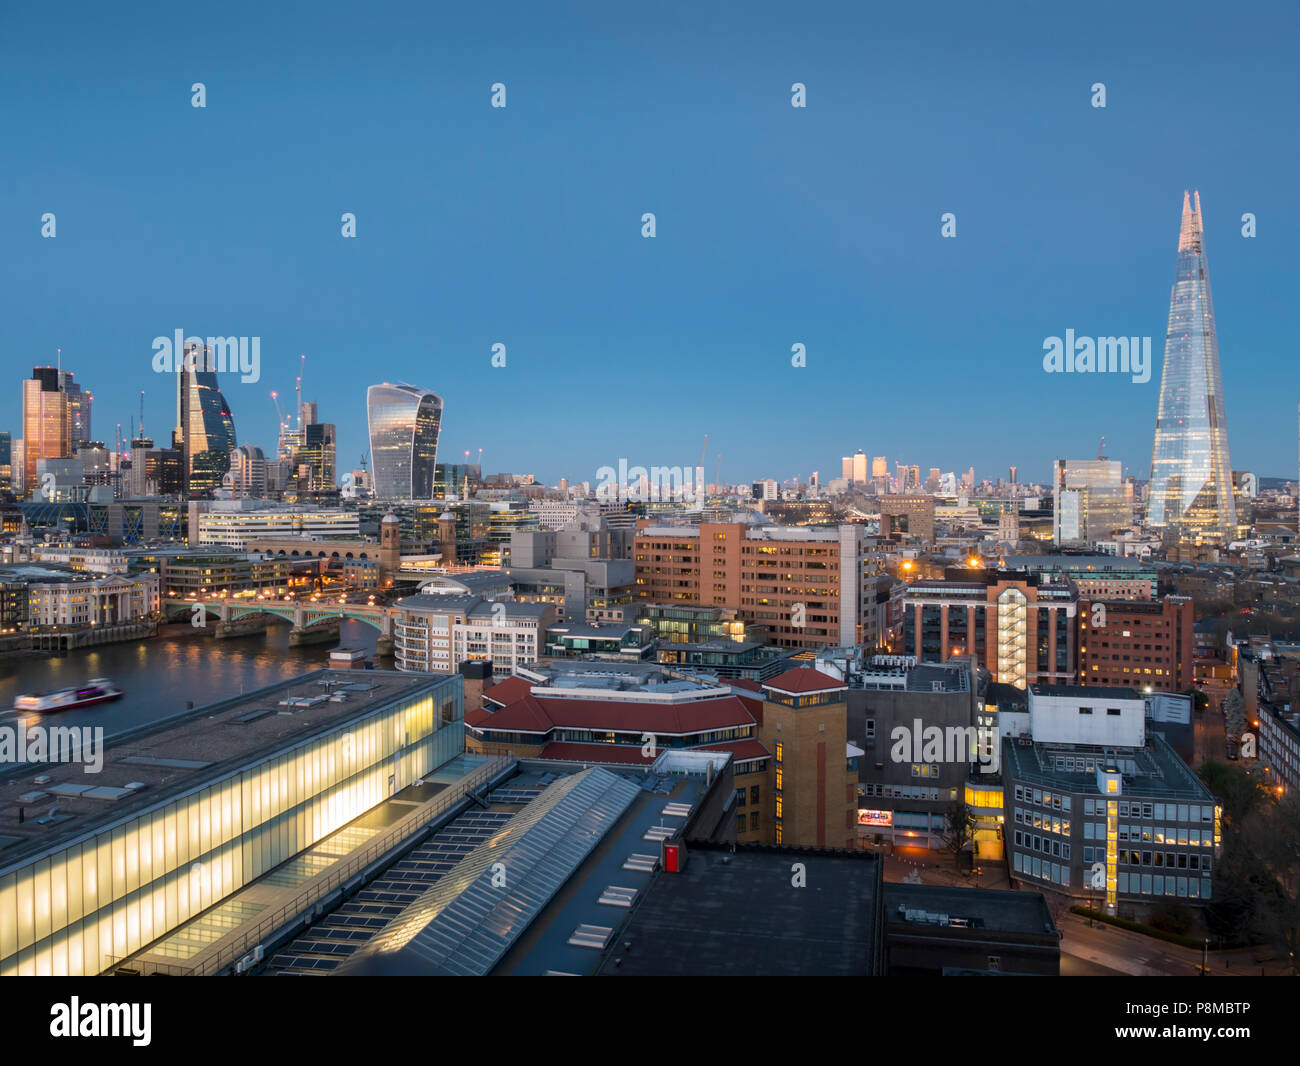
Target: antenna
[(302, 368), (142, 413)]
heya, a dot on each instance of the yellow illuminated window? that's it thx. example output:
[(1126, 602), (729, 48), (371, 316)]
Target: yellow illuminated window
[(780, 777), (780, 751), (779, 807)]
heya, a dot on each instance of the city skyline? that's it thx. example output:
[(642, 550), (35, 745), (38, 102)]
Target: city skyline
[(503, 226)]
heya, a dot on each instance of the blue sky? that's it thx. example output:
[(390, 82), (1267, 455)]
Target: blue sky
[(775, 225)]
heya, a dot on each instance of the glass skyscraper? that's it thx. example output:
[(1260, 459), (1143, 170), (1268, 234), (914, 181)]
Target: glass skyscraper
[(404, 424), (1191, 474), (205, 428)]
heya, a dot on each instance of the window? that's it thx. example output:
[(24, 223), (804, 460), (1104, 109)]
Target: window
[(1085, 710), (780, 777), (780, 752)]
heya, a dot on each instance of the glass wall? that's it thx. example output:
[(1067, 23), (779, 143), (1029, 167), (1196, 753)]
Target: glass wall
[(107, 896), (404, 426)]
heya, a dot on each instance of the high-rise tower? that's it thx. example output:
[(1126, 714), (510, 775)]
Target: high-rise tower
[(404, 424), (205, 428), (1191, 472)]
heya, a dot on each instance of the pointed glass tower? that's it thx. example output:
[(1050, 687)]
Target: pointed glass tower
[(1191, 474)]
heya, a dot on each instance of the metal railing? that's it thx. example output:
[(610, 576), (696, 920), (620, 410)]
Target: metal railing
[(245, 939)]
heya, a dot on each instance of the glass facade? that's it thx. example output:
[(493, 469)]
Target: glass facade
[(110, 893), (404, 425), (205, 427), (1191, 473)]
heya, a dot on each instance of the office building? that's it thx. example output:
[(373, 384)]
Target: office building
[(805, 584), (247, 476), (1020, 626), (115, 599), (1191, 490), (1097, 577), (205, 428), (235, 523), (317, 455), (906, 783), (404, 425), (47, 421), (1100, 807), (907, 517), (1092, 501), (1139, 644)]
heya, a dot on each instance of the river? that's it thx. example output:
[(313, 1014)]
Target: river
[(161, 675)]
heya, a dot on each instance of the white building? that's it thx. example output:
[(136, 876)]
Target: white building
[(84, 560), (1098, 715), (437, 632), (102, 601), (232, 523)]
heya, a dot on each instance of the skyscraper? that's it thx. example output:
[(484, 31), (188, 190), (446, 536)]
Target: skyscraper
[(47, 425), (404, 424), (205, 428), (1191, 472), (1091, 500)]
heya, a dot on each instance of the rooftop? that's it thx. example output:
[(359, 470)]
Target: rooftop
[(146, 767), (739, 914), (804, 679), (983, 908)]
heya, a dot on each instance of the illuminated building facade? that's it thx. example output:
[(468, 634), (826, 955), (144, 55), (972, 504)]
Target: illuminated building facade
[(1091, 501), (404, 425), (1137, 644), (165, 839), (47, 425), (205, 428), (1020, 626), (1191, 491), (1100, 808), (806, 585)]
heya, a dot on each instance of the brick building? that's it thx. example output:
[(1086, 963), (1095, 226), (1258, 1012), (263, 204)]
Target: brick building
[(1137, 644)]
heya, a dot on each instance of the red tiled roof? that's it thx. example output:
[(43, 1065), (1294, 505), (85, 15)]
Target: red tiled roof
[(745, 682), (504, 693), (522, 716), (538, 715), (740, 749), (804, 679)]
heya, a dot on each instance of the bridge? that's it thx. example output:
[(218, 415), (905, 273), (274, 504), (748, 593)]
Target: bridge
[(313, 623)]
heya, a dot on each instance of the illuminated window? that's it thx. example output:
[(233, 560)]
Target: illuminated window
[(780, 751)]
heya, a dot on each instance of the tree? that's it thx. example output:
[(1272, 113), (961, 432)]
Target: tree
[(1236, 790), (1235, 713), (958, 828)]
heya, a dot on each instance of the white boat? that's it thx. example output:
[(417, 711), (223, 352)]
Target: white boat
[(96, 690)]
